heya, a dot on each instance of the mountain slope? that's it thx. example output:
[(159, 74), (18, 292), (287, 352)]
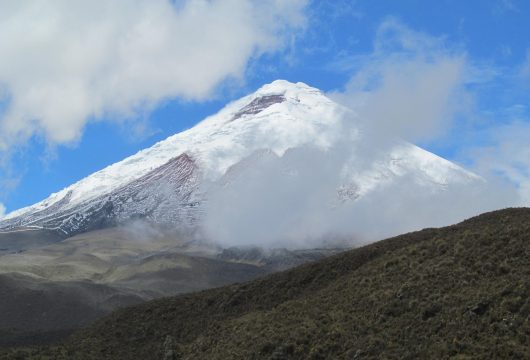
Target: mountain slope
[(165, 195), (170, 182), (35, 310), (50, 287), (457, 292)]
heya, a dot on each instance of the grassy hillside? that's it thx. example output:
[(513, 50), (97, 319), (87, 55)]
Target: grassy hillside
[(458, 292)]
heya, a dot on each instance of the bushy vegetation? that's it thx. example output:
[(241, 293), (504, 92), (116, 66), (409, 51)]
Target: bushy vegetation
[(460, 292)]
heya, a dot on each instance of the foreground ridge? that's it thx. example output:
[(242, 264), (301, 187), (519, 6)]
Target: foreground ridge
[(456, 292)]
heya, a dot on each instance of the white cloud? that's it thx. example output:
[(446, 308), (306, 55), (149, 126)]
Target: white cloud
[(410, 86), (291, 201), (64, 63), (2, 210), (507, 156)]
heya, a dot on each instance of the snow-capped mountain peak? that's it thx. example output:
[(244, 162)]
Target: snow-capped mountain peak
[(277, 117)]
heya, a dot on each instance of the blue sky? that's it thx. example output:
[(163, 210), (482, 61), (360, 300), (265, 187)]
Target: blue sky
[(477, 53)]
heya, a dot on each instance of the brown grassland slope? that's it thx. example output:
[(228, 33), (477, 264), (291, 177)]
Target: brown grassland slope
[(457, 292)]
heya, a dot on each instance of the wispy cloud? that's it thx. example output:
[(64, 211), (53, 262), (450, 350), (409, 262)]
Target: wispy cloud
[(411, 85), (507, 156), (421, 88), (504, 6), (65, 63)]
